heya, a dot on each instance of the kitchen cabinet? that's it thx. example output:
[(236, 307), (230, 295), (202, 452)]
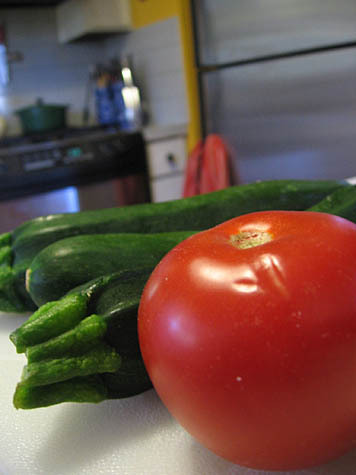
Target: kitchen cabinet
[(166, 157), (78, 18)]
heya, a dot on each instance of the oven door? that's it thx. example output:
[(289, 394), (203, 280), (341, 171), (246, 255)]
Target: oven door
[(121, 191)]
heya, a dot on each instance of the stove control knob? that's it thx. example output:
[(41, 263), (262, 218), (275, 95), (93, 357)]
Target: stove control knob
[(105, 149), (57, 154), (3, 167)]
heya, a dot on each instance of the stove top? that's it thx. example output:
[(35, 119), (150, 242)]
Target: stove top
[(53, 135), (69, 157)]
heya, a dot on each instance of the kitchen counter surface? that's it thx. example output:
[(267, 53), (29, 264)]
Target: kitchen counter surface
[(161, 132), (133, 436)]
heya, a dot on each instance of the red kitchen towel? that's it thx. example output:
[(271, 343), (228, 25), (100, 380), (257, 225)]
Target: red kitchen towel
[(192, 171), (208, 167), (215, 173)]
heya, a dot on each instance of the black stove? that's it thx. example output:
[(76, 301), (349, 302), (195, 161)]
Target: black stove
[(32, 164)]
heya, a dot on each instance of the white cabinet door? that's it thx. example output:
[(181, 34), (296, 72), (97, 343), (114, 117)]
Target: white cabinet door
[(167, 188), (166, 164)]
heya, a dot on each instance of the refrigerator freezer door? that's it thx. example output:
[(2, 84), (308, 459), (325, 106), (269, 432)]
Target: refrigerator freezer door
[(235, 30), (290, 118)]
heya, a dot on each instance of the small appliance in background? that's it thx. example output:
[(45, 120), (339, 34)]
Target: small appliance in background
[(4, 65), (117, 97)]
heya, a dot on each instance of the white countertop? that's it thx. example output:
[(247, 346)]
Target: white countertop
[(160, 132), (133, 436)]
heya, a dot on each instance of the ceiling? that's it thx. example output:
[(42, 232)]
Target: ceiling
[(28, 3)]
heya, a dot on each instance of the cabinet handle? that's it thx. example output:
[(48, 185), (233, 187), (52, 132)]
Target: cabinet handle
[(171, 159)]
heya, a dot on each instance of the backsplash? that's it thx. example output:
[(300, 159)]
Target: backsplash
[(59, 73)]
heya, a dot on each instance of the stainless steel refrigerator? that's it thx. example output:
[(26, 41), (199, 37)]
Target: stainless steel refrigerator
[(278, 83)]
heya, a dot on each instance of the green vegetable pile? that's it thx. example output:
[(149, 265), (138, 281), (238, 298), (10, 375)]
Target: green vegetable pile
[(81, 276)]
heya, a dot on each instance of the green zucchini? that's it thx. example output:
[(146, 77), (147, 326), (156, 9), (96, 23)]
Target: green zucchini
[(69, 262), (73, 261), (197, 212), (341, 203), (100, 312), (84, 347)]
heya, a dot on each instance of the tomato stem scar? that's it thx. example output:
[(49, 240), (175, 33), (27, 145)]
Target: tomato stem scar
[(247, 239)]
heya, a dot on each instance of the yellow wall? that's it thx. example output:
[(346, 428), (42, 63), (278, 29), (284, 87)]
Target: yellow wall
[(146, 12)]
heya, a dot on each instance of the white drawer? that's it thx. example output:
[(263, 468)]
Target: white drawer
[(168, 188), (166, 157)]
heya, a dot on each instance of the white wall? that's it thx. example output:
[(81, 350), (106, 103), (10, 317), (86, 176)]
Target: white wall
[(59, 73), (157, 61)]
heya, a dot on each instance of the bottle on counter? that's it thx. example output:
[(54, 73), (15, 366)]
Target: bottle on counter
[(117, 85), (105, 109), (4, 64), (127, 97)]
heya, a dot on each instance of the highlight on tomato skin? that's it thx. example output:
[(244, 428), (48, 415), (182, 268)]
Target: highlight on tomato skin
[(248, 333)]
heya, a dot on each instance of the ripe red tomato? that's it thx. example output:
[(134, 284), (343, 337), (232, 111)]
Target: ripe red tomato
[(248, 332)]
